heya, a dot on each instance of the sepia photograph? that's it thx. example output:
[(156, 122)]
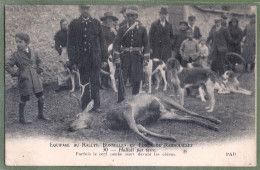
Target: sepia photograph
[(130, 85)]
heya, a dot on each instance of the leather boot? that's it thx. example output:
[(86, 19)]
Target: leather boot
[(40, 110), (21, 114)]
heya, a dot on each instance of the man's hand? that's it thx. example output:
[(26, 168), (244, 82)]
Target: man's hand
[(145, 63), (104, 65)]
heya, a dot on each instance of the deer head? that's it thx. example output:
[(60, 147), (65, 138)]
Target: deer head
[(83, 119)]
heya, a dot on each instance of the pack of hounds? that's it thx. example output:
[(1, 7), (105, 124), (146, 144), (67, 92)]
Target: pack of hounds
[(145, 108)]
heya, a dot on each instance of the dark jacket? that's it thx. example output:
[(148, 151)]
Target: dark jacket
[(60, 40), (237, 35), (109, 36), (220, 39), (86, 43), (136, 37), (28, 78), (161, 40), (196, 33), (123, 23), (178, 39)]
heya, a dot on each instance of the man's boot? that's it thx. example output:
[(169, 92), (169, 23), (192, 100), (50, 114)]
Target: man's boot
[(40, 110), (21, 114)]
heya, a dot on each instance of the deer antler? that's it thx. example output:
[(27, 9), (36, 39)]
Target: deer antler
[(82, 87)]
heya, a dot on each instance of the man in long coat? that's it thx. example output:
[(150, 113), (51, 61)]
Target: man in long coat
[(28, 66), (133, 39), (161, 37), (220, 38), (195, 29), (86, 50)]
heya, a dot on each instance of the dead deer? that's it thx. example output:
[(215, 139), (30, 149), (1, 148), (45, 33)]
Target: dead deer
[(142, 109)]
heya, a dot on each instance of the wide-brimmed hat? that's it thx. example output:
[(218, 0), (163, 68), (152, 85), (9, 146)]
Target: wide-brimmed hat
[(163, 11), (191, 18), (183, 22), (108, 15), (84, 6), (132, 10), (123, 10)]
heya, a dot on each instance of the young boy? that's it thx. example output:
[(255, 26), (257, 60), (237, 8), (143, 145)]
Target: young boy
[(203, 53), (189, 49), (27, 70)]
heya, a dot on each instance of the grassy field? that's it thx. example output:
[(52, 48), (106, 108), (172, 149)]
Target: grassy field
[(236, 111)]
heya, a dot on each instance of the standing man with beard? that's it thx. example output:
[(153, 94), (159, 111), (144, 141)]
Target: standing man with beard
[(133, 39), (161, 37), (86, 50)]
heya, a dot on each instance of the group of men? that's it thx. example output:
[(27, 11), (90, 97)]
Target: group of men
[(85, 40)]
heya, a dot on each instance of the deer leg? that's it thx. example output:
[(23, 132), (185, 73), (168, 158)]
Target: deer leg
[(132, 125), (173, 116), (144, 130)]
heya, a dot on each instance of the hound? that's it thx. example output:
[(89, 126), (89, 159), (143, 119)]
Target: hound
[(157, 68), (232, 84), (182, 78)]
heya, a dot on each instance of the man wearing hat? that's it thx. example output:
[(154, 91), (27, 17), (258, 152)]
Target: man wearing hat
[(219, 38), (131, 49), (161, 37), (195, 29), (123, 10), (87, 51), (179, 37), (109, 31)]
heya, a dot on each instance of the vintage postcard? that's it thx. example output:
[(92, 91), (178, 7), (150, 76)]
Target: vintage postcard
[(130, 85)]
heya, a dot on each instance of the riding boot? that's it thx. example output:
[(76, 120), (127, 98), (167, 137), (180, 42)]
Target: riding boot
[(21, 114), (40, 110)]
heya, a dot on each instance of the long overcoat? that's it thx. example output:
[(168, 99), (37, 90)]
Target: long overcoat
[(161, 40), (28, 78)]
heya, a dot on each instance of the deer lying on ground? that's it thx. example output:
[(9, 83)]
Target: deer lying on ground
[(142, 109)]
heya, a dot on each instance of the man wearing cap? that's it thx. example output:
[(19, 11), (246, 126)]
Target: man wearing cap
[(179, 37), (87, 51), (110, 33), (219, 38), (195, 29), (123, 10), (161, 37), (131, 49)]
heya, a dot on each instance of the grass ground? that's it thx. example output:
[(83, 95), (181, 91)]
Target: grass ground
[(236, 111)]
